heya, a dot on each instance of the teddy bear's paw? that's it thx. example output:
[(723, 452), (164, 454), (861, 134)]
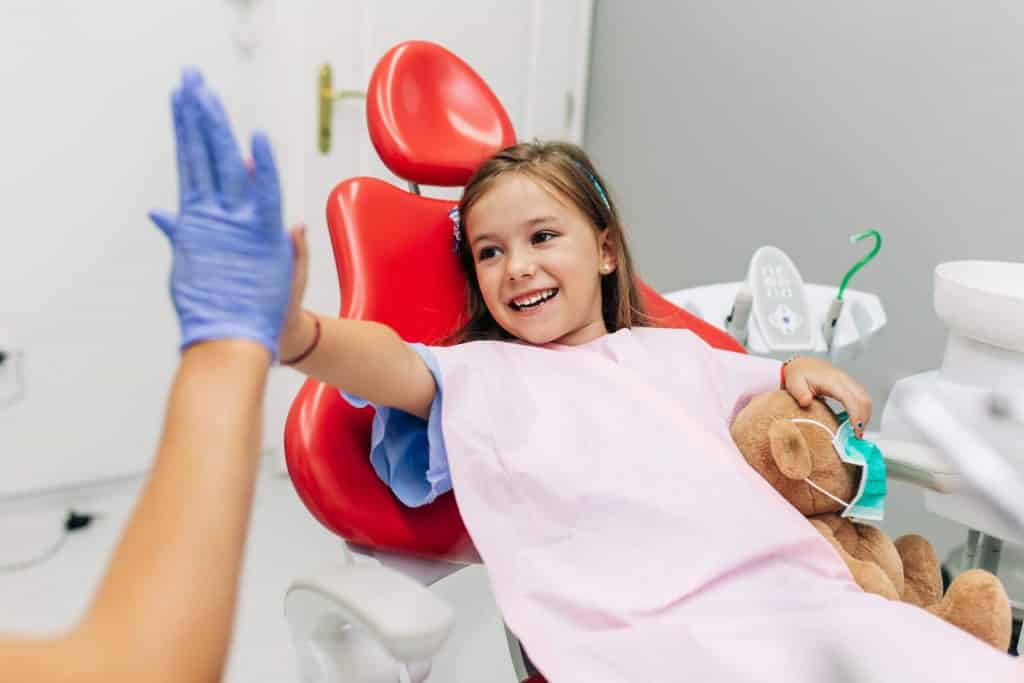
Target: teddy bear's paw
[(872, 545), (922, 573), (866, 572), (873, 579), (977, 603)]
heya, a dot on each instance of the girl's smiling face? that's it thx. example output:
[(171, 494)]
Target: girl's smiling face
[(539, 263)]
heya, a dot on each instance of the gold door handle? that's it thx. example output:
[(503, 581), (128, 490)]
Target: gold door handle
[(328, 96)]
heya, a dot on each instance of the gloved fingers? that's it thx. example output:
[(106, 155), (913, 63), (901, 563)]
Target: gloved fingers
[(266, 183), (229, 170), (185, 185), (197, 157), (165, 220)]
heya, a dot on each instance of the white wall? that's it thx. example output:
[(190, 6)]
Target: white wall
[(86, 150), (725, 126)]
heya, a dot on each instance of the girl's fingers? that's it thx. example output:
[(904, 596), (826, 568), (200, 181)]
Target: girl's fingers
[(301, 248), (301, 245), (856, 402), (818, 378), (802, 391), (266, 182), (864, 409)]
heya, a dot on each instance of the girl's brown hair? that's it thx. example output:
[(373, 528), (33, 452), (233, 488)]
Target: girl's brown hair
[(565, 169)]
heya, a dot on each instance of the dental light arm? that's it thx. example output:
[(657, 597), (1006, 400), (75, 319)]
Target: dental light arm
[(981, 467), (918, 464)]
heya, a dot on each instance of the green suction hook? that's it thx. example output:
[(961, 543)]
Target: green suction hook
[(860, 264)]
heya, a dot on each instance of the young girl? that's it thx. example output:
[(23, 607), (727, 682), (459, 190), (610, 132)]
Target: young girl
[(625, 537)]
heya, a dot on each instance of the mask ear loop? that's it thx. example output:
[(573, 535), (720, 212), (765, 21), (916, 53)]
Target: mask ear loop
[(828, 431), (805, 420), (821, 490)]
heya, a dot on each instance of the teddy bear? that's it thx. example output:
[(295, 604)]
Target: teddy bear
[(788, 453)]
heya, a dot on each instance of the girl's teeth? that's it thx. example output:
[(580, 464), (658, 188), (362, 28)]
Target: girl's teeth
[(537, 298)]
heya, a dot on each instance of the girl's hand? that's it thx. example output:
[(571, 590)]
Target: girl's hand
[(807, 377), (294, 337)]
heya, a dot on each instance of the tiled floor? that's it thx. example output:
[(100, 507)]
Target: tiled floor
[(285, 542)]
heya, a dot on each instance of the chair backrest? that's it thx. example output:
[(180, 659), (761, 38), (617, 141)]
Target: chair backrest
[(393, 252), (432, 118)]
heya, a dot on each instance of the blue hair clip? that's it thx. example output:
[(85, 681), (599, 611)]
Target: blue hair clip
[(600, 191), (456, 218), (456, 227), (597, 185)]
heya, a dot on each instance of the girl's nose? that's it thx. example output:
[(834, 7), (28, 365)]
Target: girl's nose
[(520, 267)]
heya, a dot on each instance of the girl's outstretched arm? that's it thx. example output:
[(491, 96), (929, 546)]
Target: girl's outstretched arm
[(364, 358)]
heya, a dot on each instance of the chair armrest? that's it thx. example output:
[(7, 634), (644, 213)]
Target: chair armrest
[(404, 617), (918, 464)]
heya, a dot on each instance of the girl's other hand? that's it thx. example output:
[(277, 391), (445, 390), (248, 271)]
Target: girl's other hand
[(292, 331), (807, 377)]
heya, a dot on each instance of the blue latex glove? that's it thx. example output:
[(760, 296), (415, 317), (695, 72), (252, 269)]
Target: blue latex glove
[(232, 259)]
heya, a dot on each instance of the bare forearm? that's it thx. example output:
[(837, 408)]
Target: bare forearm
[(366, 359), (164, 611)]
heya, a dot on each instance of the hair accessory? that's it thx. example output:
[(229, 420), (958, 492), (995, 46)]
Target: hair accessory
[(597, 185), (456, 227), (600, 190), (456, 218)]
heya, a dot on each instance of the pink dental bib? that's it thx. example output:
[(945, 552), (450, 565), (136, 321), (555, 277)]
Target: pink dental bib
[(625, 536)]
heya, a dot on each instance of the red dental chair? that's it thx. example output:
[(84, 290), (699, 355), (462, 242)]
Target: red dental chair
[(432, 120)]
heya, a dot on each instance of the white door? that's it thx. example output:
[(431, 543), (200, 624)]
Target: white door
[(532, 54), (306, 34)]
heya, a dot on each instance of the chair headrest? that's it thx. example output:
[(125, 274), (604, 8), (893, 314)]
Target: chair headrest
[(432, 119)]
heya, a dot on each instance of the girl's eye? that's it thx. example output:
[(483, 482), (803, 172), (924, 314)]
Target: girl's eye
[(543, 236), (486, 253)]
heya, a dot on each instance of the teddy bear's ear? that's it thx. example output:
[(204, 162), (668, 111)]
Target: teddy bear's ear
[(789, 450)]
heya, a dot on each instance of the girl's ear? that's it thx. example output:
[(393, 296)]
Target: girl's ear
[(609, 258), (789, 450)]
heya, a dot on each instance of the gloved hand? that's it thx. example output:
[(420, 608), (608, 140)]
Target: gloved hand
[(232, 259)]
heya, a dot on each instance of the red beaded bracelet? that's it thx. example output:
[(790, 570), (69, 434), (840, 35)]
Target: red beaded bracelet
[(782, 373), (316, 340)]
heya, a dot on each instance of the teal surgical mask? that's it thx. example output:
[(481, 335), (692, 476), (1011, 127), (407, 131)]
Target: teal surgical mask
[(868, 503)]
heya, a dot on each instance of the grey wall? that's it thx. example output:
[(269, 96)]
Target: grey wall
[(725, 126)]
